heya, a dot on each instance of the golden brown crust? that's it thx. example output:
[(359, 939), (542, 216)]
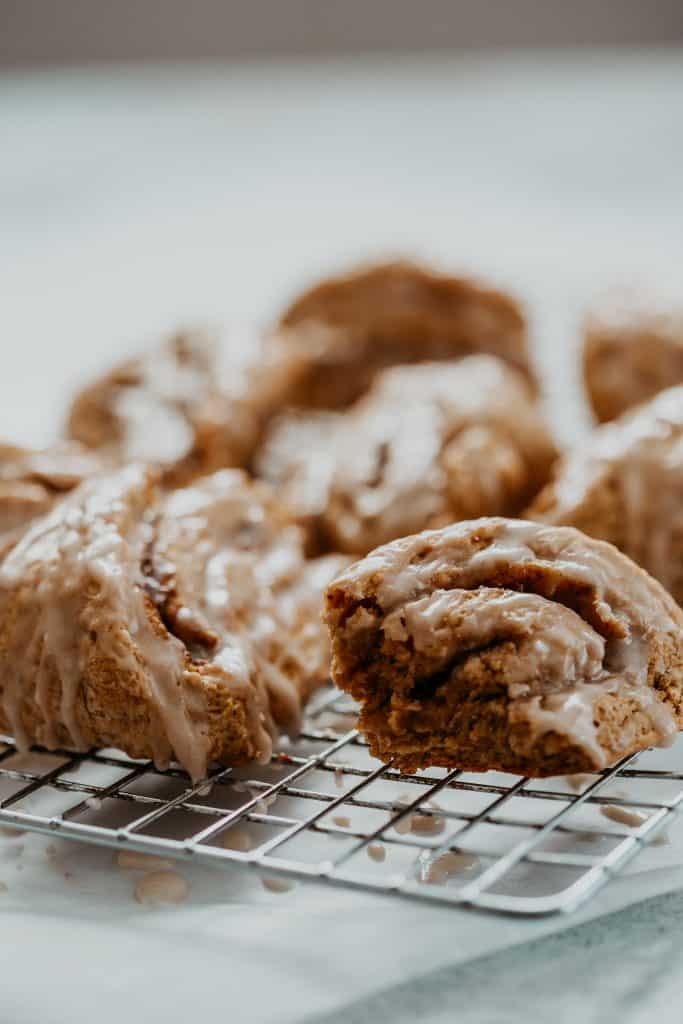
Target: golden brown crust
[(197, 403), (633, 348), (427, 445), (505, 644), (399, 312), (624, 484), (171, 627), (170, 407), (32, 480), (114, 709)]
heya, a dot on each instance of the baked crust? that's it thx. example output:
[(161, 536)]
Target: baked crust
[(633, 348), (194, 404), (33, 479), (181, 627), (198, 402), (399, 312), (427, 445), (504, 644), (624, 484)]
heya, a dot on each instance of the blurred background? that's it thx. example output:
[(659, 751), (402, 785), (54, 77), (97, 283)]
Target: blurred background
[(43, 31), (169, 163)]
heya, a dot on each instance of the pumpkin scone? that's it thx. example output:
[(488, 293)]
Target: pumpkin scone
[(299, 456), (183, 627), (428, 444), (197, 402), (399, 312), (633, 348), (33, 479), (200, 402), (624, 484), (505, 644)]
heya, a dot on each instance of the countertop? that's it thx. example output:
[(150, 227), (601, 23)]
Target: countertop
[(132, 200)]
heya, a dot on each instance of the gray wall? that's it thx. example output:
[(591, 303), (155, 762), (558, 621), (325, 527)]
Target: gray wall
[(66, 31)]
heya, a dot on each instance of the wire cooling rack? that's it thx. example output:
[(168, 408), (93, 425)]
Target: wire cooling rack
[(324, 809)]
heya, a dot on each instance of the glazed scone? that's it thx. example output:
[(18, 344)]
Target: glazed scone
[(428, 444), (394, 313), (504, 644), (196, 403), (624, 484), (633, 348), (182, 627), (32, 480), (298, 457)]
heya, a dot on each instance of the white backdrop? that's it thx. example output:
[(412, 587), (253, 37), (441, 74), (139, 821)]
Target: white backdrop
[(135, 201)]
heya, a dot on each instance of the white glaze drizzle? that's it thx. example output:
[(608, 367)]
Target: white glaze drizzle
[(244, 585), (643, 451), (421, 428), (567, 660), (78, 573)]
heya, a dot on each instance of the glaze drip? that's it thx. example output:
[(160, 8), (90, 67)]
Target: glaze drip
[(567, 628), (190, 615)]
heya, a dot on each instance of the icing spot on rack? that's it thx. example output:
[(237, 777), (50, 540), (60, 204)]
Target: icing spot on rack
[(237, 839), (623, 815), (277, 885), (132, 860), (447, 866), (161, 887)]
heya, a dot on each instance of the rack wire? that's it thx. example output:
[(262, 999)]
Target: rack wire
[(324, 809)]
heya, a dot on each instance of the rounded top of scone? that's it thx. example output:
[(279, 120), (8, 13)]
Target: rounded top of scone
[(629, 313), (612, 593), (647, 438), (499, 643), (400, 304), (378, 291)]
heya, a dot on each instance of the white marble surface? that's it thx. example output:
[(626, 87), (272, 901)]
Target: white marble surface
[(625, 968), (133, 200)]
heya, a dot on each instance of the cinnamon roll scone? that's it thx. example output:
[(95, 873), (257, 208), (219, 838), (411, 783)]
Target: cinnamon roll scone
[(624, 484), (509, 645), (299, 457), (182, 627), (633, 348), (197, 402), (399, 312), (428, 444), (33, 479)]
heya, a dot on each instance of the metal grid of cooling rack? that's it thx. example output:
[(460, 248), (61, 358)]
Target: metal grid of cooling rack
[(324, 809)]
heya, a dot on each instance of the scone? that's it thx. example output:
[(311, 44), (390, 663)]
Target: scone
[(428, 444), (299, 456), (509, 645), (633, 348), (624, 484), (183, 627), (32, 480), (395, 313), (196, 403)]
